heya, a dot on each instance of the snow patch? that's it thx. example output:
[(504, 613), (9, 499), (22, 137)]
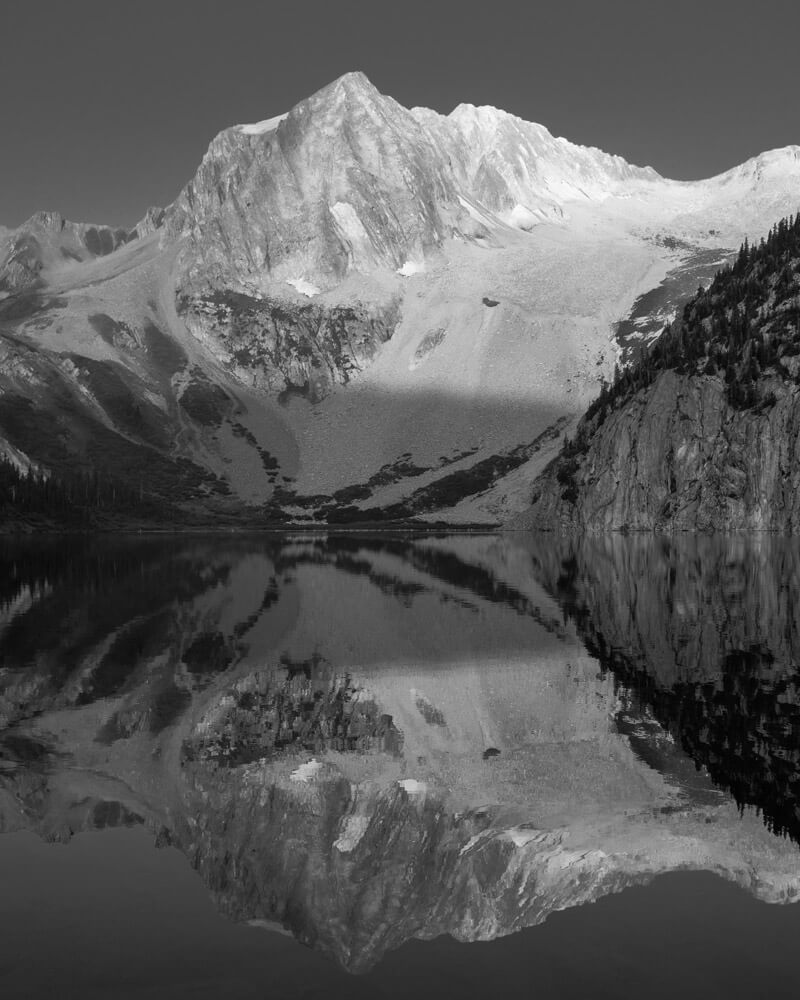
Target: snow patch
[(411, 267), (520, 836), (262, 128), (306, 772), (521, 217), (470, 844), (303, 286), (269, 925), (353, 829), (350, 226), (412, 786), (474, 213), (19, 459)]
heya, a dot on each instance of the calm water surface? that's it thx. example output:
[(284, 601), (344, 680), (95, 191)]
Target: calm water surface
[(383, 765)]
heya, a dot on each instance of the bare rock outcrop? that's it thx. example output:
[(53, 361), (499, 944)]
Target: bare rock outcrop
[(680, 456), (288, 346), (348, 179), (701, 433)]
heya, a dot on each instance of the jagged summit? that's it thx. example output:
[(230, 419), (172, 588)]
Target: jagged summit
[(350, 180), (354, 82), (48, 220), (337, 96), (357, 310), (55, 222)]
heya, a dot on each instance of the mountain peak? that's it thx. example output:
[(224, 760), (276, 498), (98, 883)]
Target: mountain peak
[(775, 164), (771, 158), (489, 119), (354, 80), (45, 220), (482, 111), (352, 84)]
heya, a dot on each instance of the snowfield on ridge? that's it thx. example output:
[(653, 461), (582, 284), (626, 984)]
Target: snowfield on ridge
[(361, 311)]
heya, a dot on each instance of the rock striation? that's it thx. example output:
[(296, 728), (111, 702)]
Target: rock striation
[(679, 457), (347, 180)]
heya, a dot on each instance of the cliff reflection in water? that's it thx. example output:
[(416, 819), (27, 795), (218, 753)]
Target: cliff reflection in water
[(372, 738), (703, 634)]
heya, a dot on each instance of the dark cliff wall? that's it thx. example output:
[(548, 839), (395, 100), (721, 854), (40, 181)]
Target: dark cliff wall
[(701, 432), (679, 456), (290, 347)]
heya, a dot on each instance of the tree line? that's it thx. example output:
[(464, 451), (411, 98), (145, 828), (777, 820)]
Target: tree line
[(746, 322), (744, 325), (83, 497)]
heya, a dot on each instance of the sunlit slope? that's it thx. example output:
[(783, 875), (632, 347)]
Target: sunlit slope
[(364, 312)]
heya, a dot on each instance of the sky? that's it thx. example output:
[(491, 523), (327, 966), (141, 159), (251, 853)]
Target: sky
[(109, 106)]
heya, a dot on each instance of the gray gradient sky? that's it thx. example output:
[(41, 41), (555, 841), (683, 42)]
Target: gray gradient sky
[(109, 106)]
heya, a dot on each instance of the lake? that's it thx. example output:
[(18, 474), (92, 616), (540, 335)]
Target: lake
[(323, 765)]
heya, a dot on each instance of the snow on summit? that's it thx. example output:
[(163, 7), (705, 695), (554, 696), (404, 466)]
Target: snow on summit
[(402, 310), (261, 128), (483, 263)]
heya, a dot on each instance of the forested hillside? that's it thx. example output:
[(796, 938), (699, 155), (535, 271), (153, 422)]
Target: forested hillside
[(701, 431)]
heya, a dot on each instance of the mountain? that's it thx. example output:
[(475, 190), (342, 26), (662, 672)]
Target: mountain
[(354, 311), (46, 240), (701, 432)]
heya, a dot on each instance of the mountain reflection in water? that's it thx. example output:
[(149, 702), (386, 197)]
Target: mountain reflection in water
[(373, 738)]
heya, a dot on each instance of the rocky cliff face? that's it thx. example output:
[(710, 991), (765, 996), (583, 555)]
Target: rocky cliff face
[(289, 347), (521, 172), (679, 456), (701, 433), (355, 311), (347, 180), (350, 180)]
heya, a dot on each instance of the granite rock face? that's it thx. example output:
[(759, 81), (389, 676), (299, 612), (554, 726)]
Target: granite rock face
[(348, 179), (151, 221), (679, 456), (289, 347), (701, 432), (351, 180)]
